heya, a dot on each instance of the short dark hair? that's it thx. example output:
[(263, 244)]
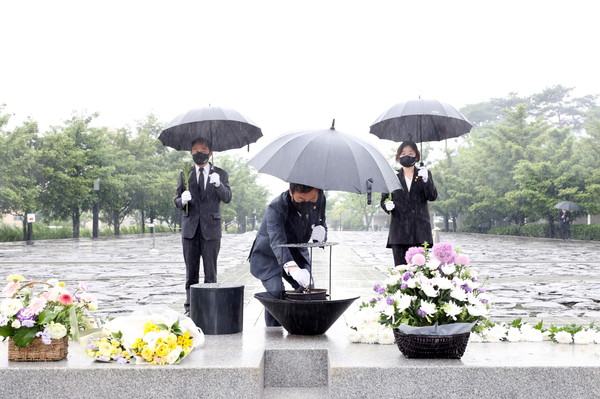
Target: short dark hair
[(300, 188), (410, 144), (204, 141)]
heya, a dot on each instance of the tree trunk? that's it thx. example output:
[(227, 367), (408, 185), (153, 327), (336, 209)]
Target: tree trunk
[(116, 224), (76, 219)]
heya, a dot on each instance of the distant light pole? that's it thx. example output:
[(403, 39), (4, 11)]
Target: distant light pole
[(95, 210)]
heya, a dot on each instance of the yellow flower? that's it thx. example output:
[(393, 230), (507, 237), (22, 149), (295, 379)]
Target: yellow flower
[(105, 349), (150, 327), (61, 284), (162, 350), (147, 354), (15, 278), (172, 339), (91, 353)]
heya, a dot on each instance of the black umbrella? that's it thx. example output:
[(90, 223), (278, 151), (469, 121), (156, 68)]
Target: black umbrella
[(568, 206), (420, 120), (327, 159), (225, 128)]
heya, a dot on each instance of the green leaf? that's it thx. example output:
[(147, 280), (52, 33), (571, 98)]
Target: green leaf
[(176, 329), (163, 327), (7, 331), (118, 334), (24, 335), (45, 317)]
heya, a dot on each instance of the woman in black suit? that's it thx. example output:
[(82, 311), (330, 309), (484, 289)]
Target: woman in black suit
[(410, 225)]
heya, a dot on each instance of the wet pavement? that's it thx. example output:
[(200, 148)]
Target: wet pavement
[(535, 279)]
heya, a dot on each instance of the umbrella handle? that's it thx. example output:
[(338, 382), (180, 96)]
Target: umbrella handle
[(369, 188)]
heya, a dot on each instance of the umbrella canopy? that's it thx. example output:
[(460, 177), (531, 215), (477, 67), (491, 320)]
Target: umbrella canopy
[(420, 120), (225, 128), (568, 206), (327, 159)]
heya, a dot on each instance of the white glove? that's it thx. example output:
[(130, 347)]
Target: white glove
[(215, 179), (423, 174), (302, 276), (318, 234), (389, 205), (186, 197)]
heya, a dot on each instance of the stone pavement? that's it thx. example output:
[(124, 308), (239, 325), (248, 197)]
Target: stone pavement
[(543, 279)]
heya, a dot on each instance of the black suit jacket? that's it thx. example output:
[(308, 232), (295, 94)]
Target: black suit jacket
[(203, 209), (410, 223), (283, 225)]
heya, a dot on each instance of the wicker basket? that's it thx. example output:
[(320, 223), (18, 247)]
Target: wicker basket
[(432, 346), (38, 351)]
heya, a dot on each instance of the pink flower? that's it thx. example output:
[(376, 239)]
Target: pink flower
[(65, 299), (418, 259), (462, 260), (412, 251), (444, 252), (37, 305), (11, 289)]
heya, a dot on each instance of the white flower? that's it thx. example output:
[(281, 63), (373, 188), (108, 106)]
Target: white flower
[(530, 334), (584, 336), (392, 280), (476, 337), (478, 309), (386, 336), (353, 335), (173, 355), (432, 264), (428, 307), (443, 283), (152, 336), (429, 290), (411, 282), (459, 294), (10, 306), (56, 330), (597, 337), (495, 333), (513, 334), (448, 268), (563, 337), (3, 320), (369, 335), (15, 324), (452, 309), (403, 302)]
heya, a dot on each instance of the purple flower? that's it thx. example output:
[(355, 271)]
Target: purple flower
[(412, 251), (24, 315), (444, 252), (481, 289), (403, 286), (379, 289), (389, 301), (474, 279), (407, 275), (466, 288), (28, 323), (422, 313), (484, 301), (372, 300), (121, 360), (45, 336), (92, 345)]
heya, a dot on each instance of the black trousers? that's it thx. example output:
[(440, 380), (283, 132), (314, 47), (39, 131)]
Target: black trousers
[(194, 249), (399, 253)]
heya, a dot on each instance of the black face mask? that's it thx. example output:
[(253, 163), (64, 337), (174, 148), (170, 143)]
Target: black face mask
[(303, 208), (200, 158), (408, 161)]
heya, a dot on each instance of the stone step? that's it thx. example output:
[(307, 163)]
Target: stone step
[(296, 393), (296, 368)]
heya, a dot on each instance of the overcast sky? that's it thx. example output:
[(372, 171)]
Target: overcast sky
[(286, 65)]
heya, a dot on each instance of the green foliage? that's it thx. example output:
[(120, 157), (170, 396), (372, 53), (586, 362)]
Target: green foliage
[(10, 233), (586, 232), (535, 230), (511, 230)]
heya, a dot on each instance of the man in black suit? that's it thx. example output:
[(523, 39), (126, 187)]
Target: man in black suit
[(296, 216), (200, 200)]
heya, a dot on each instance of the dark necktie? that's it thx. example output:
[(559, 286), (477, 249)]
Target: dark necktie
[(201, 180)]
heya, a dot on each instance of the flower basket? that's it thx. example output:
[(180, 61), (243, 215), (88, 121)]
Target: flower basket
[(38, 351), (431, 346)]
